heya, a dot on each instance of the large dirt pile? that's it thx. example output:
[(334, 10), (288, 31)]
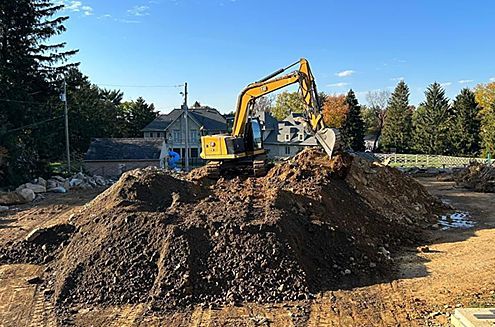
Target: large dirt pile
[(477, 176), (310, 225)]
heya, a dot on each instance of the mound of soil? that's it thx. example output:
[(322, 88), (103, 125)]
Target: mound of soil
[(477, 176), (172, 241)]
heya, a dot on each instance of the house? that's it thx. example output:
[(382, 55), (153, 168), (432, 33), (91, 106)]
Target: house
[(202, 120), (285, 138), (112, 156)]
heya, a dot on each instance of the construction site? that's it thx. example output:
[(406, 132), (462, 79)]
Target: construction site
[(314, 242), (246, 198)]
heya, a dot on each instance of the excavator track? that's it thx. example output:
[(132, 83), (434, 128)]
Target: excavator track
[(213, 169), (260, 165)]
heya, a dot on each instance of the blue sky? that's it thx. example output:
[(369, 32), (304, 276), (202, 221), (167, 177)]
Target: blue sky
[(220, 46)]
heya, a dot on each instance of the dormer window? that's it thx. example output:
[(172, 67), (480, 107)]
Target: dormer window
[(301, 137), (287, 137)]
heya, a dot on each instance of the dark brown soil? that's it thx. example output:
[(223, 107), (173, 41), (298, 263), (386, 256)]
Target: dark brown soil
[(477, 176), (169, 241)]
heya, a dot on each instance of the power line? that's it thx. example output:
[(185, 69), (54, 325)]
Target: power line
[(20, 101), (141, 86), (33, 125)]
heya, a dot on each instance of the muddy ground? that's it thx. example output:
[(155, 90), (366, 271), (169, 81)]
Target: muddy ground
[(456, 270)]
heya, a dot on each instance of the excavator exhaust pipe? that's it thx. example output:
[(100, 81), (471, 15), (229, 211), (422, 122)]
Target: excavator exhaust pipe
[(329, 139)]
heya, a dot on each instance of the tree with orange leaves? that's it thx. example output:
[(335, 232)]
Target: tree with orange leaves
[(335, 110)]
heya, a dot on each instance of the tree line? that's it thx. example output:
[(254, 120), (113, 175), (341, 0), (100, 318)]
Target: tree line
[(462, 127), (32, 73)]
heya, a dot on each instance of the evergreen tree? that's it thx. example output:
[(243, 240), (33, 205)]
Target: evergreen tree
[(397, 129), (352, 131), (433, 122), (488, 130), (137, 114), (466, 131), (29, 71)]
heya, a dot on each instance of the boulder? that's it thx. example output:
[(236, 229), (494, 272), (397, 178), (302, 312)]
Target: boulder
[(58, 178), (3, 208), (36, 188), (41, 181), (27, 194), (51, 183), (59, 189), (75, 182)]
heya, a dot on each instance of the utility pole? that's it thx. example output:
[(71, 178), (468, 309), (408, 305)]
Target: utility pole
[(66, 112), (186, 141)]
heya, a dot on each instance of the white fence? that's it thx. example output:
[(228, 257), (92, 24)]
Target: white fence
[(425, 160)]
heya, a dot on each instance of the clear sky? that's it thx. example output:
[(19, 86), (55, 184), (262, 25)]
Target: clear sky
[(220, 46)]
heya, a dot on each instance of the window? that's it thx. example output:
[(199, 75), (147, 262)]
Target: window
[(194, 135), (177, 137), (287, 137), (152, 134), (194, 153), (301, 136), (287, 150)]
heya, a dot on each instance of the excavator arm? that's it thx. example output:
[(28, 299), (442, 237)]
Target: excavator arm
[(326, 137)]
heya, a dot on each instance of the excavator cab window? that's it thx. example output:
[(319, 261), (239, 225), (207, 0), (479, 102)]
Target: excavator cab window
[(257, 134), (254, 136)]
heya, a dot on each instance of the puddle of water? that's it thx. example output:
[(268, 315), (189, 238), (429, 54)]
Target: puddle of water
[(460, 220)]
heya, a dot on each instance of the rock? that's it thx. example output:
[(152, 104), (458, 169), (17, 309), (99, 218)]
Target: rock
[(66, 185), (51, 183), (92, 182), (41, 181), (3, 208), (12, 198), (100, 180), (36, 188), (58, 189), (75, 182), (27, 194), (59, 178)]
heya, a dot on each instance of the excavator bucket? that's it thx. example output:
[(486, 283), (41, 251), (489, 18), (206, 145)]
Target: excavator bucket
[(329, 139)]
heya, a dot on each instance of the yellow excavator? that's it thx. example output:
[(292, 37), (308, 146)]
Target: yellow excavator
[(243, 148)]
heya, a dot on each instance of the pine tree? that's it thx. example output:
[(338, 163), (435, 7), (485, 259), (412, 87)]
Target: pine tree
[(466, 131), (352, 131), (433, 122), (29, 70), (397, 130), (137, 115)]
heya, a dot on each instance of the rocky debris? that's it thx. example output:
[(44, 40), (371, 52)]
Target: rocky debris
[(426, 172), (40, 245), (27, 192), (477, 176), (4, 208), (36, 188)]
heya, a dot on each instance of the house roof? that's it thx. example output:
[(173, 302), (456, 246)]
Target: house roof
[(207, 117), (103, 149)]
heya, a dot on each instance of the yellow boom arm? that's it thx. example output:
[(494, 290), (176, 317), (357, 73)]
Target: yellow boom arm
[(269, 84)]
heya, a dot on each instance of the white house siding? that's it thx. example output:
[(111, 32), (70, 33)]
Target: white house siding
[(176, 138)]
